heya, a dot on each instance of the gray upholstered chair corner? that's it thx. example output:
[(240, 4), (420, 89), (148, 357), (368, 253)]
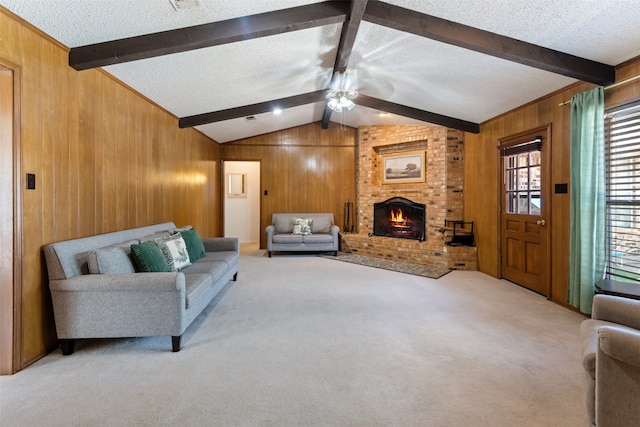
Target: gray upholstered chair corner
[(611, 362)]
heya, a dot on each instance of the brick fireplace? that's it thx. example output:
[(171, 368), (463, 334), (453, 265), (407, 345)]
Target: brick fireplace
[(441, 193), (399, 217)]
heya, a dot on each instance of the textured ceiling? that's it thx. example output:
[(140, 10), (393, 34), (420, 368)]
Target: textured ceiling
[(385, 63)]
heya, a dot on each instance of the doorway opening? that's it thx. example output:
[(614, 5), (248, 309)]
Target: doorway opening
[(10, 208), (241, 203)]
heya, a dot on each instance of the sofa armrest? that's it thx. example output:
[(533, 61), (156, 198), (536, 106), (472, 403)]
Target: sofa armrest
[(152, 282), (620, 344), (617, 372), (119, 305), (270, 230), (335, 231), (624, 311), (217, 244)]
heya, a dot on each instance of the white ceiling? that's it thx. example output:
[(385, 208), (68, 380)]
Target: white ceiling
[(385, 63)]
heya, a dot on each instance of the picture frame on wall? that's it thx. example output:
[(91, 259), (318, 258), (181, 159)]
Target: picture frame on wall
[(403, 167), (237, 185)]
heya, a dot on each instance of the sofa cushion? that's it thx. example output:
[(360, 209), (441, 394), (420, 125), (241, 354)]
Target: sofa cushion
[(196, 285), (148, 258), (195, 246), (283, 224), (317, 238), (175, 251), (114, 259), (214, 268), (321, 224), (302, 225), (287, 238), (230, 257)]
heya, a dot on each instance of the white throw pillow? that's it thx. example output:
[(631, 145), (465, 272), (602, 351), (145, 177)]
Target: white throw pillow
[(302, 225), (174, 250)]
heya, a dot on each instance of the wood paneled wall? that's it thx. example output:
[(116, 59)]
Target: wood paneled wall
[(303, 169), (105, 159), (482, 171)]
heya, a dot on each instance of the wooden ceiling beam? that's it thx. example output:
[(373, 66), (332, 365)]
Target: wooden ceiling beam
[(414, 113), (488, 43), (251, 110), (345, 47), (348, 35), (207, 35)]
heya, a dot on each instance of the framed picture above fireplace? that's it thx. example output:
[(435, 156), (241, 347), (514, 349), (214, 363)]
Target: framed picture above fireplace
[(403, 167)]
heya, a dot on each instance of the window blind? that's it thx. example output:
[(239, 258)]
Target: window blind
[(622, 164)]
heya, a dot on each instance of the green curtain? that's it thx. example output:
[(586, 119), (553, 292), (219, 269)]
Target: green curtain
[(587, 201)]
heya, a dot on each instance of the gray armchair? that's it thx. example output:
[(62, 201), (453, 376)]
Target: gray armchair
[(611, 360)]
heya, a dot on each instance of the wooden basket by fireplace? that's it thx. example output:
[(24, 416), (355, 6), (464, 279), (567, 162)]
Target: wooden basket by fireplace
[(457, 233)]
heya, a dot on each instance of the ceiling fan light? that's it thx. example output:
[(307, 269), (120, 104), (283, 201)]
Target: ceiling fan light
[(340, 99)]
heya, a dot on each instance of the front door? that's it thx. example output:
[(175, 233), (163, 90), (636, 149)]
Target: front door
[(524, 219)]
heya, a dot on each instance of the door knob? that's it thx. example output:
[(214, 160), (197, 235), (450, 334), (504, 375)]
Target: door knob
[(540, 222)]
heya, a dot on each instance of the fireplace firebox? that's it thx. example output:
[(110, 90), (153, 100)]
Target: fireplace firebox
[(399, 217)]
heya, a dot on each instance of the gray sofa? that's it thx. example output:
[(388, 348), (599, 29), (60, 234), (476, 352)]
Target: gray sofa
[(97, 293), (611, 361), (323, 235)]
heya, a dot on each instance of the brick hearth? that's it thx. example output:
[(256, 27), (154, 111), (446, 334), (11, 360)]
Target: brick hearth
[(442, 193)]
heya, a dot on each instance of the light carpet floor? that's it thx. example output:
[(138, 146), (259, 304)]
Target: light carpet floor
[(306, 341)]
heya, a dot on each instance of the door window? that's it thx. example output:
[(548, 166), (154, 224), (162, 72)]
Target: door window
[(522, 182)]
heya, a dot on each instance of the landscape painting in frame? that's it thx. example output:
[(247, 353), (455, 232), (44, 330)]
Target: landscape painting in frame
[(405, 167)]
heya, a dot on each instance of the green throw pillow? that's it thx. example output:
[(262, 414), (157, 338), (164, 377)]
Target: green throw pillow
[(148, 258), (195, 247)]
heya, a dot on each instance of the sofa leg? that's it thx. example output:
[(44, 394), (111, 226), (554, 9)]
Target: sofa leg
[(175, 343), (269, 252), (235, 277), (335, 253), (67, 346)]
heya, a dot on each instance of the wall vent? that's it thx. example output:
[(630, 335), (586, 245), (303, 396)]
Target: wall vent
[(184, 4)]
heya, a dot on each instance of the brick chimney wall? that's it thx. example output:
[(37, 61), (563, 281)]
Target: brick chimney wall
[(441, 193)]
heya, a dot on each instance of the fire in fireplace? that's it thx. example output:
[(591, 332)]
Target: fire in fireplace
[(399, 217)]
